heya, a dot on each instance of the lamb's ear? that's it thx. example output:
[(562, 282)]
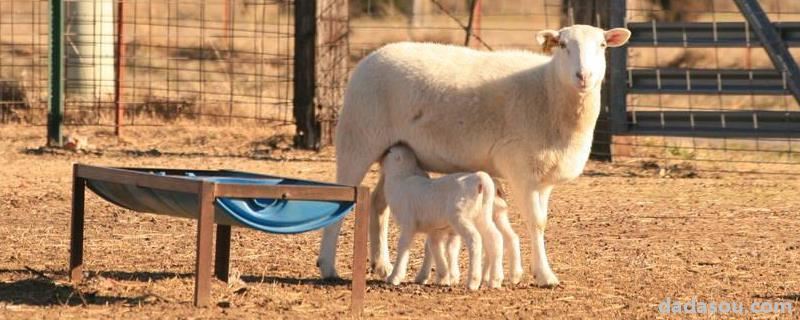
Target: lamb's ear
[(617, 37), (548, 39)]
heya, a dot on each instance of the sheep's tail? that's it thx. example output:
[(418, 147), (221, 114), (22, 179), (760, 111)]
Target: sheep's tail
[(489, 191)]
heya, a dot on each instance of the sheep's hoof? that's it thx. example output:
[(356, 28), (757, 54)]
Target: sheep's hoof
[(444, 280), (327, 270), (516, 277), (382, 270), (496, 283), (394, 280), (420, 279), (474, 284), (455, 278), (546, 280)]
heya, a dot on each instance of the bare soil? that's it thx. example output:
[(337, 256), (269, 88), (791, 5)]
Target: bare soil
[(621, 239)]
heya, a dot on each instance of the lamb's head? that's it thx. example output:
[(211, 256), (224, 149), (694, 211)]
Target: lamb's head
[(399, 160), (579, 53)]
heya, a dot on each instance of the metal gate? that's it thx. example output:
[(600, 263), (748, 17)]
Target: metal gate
[(755, 31)]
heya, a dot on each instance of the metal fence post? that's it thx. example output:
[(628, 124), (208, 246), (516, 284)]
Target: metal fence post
[(55, 116), (120, 66), (307, 134)]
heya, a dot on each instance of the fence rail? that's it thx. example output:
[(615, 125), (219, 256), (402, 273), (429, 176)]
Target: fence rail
[(705, 34)]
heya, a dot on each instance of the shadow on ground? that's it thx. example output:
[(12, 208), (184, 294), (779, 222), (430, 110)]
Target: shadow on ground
[(39, 288), (45, 292)]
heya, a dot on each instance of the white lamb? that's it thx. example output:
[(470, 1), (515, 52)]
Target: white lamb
[(460, 203), (510, 244), (519, 116)]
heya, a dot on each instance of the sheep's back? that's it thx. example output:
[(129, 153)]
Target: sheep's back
[(448, 68), (448, 103)]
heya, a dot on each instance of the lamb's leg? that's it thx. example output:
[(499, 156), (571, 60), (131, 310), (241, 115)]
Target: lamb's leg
[(453, 250), (352, 164), (510, 239), (379, 232), (530, 205), (472, 237), (427, 262), (493, 248), (438, 242), (401, 264)]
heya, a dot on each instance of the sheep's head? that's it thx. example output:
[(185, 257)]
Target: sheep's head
[(399, 159), (579, 52)]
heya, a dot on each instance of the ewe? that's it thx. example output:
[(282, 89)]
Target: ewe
[(459, 202), (520, 116)]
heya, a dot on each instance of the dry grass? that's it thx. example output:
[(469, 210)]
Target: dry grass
[(717, 238)]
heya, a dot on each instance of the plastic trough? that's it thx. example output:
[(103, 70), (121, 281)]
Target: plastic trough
[(225, 198), (268, 215)]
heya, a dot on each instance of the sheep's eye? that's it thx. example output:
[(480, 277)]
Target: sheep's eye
[(562, 45), (603, 45)]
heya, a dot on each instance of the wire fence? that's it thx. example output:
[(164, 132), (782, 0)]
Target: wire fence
[(705, 81), (209, 61), (23, 61), (500, 24)]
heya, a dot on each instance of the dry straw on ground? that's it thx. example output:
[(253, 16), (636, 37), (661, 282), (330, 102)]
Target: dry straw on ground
[(621, 238)]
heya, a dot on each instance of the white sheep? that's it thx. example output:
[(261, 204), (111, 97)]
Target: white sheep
[(510, 244), (461, 203), (519, 116)]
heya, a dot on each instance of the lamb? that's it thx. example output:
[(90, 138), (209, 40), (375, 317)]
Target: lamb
[(522, 117), (460, 203), (510, 243)]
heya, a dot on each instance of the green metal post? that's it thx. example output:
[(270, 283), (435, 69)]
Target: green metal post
[(56, 114)]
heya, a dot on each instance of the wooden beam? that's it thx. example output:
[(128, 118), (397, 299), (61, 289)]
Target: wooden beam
[(595, 13), (359, 282), (202, 266), (288, 192), (617, 82), (222, 256), (307, 132), (76, 226)]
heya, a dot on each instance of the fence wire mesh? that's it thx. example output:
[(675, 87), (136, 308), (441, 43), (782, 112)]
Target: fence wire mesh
[(23, 61), (500, 24), (704, 81), (202, 61)]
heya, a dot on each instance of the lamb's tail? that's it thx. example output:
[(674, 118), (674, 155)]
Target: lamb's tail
[(488, 190)]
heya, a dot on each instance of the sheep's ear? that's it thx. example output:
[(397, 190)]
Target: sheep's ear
[(617, 37), (548, 39)]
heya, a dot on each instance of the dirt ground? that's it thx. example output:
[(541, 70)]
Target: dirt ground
[(621, 239)]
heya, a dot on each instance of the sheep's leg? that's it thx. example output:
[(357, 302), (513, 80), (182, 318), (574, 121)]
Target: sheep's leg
[(453, 249), (493, 248), (351, 167), (439, 257), (427, 261), (510, 239), (401, 264), (473, 240), (379, 232), (530, 205)]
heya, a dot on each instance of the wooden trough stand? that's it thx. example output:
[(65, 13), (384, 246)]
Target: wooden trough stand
[(207, 192)]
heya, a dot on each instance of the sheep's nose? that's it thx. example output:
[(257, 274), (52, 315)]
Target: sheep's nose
[(583, 78)]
